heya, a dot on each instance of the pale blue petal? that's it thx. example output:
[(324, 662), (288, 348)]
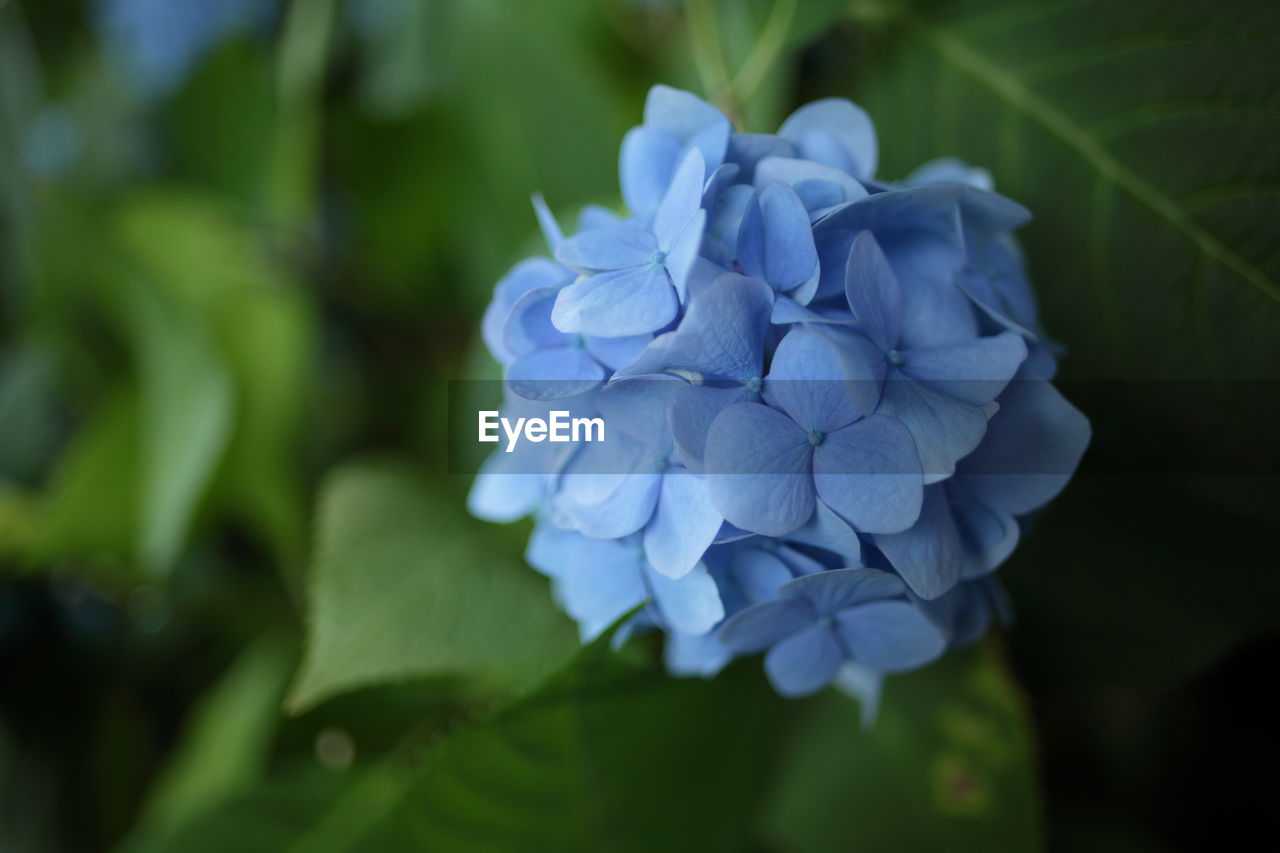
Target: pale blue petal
[(554, 374), (690, 118), (874, 295), (694, 410), (869, 474), (645, 165), (775, 243), (689, 605), (761, 625), (683, 198), (683, 526), (819, 187), (945, 429), (616, 353), (1033, 446), (805, 662), (701, 657), (975, 372), (830, 532), (748, 149), (529, 326), (721, 336), (547, 222), (502, 497), (806, 381), (929, 555), (684, 253), (831, 592), (758, 574), (836, 132), (945, 170), (758, 469), (613, 248), (527, 275), (617, 304), (890, 636)]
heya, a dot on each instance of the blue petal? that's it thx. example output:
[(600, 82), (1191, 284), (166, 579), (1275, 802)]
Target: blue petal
[(617, 304), (869, 474), (1033, 445), (529, 326), (833, 591), (835, 132), (805, 662), (760, 626), (691, 119), (683, 526), (975, 372), (502, 497), (890, 636), (724, 222), (935, 311), (989, 535), (748, 149), (608, 489), (601, 580), (694, 410), (645, 165), (639, 408), (874, 295), (554, 374), (819, 187), (689, 605), (547, 222), (929, 555), (616, 353), (758, 469), (944, 170), (684, 253), (683, 198), (758, 574), (945, 429), (613, 248), (701, 656), (806, 381), (830, 532), (721, 335), (525, 276), (775, 242)]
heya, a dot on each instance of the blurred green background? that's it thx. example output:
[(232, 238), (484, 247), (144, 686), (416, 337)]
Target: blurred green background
[(244, 246)]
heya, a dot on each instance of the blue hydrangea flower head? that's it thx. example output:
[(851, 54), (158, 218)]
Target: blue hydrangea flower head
[(827, 400)]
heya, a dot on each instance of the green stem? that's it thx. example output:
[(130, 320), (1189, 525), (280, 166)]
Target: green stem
[(765, 52), (299, 83), (709, 57)]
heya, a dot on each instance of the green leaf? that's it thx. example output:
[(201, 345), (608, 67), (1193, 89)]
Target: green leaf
[(403, 585), (1133, 137), (186, 420), (948, 765), (1135, 134), (92, 504), (224, 750), (610, 754)]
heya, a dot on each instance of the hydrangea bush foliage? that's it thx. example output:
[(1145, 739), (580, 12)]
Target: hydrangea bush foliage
[(828, 398)]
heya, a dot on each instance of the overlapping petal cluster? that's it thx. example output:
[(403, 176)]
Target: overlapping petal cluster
[(828, 399)]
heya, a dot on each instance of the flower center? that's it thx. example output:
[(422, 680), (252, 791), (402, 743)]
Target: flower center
[(576, 341), (753, 384), (896, 358), (816, 438), (660, 464), (659, 258), (825, 623)]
